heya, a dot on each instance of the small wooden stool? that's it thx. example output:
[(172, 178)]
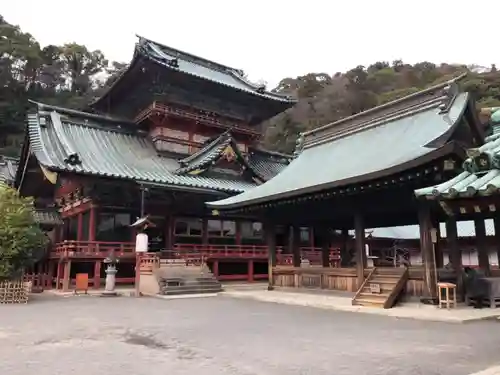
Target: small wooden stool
[(447, 288)]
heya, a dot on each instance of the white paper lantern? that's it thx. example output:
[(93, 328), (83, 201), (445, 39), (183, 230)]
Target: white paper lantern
[(141, 243)]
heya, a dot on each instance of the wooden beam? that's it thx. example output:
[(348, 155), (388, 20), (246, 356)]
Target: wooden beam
[(294, 244)]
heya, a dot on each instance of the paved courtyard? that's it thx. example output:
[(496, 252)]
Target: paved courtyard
[(211, 336)]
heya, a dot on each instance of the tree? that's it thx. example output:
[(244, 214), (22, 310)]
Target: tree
[(22, 242)]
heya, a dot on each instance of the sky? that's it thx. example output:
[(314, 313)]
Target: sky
[(274, 39)]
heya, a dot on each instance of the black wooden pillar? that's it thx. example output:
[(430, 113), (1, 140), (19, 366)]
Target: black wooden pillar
[(438, 245), (294, 244), (427, 250), (270, 236), (497, 238), (324, 238), (345, 257), (482, 246), (360, 248), (454, 251)]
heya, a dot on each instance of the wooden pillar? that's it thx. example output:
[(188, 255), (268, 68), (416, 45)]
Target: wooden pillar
[(324, 240), (67, 276), (204, 232), (360, 248), (250, 270), (92, 224), (294, 244), (169, 232), (438, 246), (454, 251), (345, 258), (50, 273), (97, 274), (59, 274), (496, 222), (79, 227), (482, 246), (427, 250), (237, 237), (215, 268), (270, 235)]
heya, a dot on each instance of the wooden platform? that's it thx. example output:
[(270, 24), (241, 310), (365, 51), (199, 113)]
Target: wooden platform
[(382, 287)]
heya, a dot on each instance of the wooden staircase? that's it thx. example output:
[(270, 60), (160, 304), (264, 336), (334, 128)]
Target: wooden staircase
[(382, 287)]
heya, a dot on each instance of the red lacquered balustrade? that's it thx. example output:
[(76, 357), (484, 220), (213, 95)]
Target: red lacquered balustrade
[(92, 249)]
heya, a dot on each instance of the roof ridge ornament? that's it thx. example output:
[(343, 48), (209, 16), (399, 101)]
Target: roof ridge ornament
[(450, 93), (299, 145)]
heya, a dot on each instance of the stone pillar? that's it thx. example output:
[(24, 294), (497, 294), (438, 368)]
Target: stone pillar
[(482, 246), (427, 249), (360, 248)]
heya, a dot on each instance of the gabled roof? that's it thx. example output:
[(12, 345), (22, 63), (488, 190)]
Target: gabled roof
[(388, 139), (176, 60), (480, 176), (71, 141), (260, 165), (8, 168)]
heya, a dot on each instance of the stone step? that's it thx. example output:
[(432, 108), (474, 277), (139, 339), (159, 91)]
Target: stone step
[(189, 291), (368, 302)]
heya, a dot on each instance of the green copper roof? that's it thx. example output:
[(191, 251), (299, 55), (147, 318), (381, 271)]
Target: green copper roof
[(369, 145), (184, 62), (481, 175), (65, 140), (262, 165), (495, 117), (47, 217)]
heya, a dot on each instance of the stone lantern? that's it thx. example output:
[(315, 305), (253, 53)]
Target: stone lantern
[(110, 261)]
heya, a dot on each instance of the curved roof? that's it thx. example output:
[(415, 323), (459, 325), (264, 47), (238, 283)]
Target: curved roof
[(475, 179), (495, 117), (78, 142), (177, 60), (365, 147)]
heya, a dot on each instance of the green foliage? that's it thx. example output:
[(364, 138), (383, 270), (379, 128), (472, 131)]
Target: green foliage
[(324, 99), (22, 242), (68, 75)]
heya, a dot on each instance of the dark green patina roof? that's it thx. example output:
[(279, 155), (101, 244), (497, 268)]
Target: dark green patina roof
[(172, 58), (8, 168), (263, 165), (481, 175), (47, 217), (373, 144), (66, 140)]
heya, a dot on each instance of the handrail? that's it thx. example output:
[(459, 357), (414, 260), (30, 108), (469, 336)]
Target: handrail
[(360, 289)]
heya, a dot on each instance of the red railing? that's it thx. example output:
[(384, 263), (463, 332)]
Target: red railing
[(190, 252), (84, 249), (219, 122), (219, 251)]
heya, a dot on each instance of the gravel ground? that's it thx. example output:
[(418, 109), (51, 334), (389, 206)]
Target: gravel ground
[(216, 336)]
